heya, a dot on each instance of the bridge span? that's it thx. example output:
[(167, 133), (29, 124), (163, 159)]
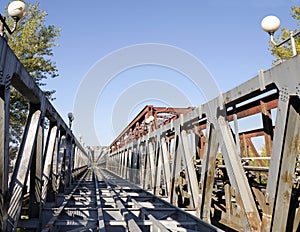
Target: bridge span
[(171, 169)]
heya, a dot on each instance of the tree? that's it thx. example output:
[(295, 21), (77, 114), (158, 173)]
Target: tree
[(285, 51), (33, 44)]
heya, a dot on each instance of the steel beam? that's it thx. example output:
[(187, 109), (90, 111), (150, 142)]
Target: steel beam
[(4, 152), (237, 175), (208, 173), (287, 168), (54, 166), (151, 159), (48, 161), (268, 127), (61, 153), (189, 167), (166, 166), (14, 75), (36, 174), (276, 157), (158, 169), (21, 170)]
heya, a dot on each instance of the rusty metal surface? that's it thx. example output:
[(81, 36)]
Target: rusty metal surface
[(202, 160)]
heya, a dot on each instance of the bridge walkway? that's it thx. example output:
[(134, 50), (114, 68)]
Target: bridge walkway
[(207, 152), (101, 201)]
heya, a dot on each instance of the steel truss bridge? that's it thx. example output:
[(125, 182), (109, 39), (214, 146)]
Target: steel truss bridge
[(184, 169)]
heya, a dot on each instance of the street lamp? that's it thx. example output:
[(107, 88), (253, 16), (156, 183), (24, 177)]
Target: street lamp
[(17, 10), (271, 24), (71, 119)]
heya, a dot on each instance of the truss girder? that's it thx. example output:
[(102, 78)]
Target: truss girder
[(172, 167)]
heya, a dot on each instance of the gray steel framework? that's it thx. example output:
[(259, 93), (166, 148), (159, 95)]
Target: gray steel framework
[(198, 159), (203, 161), (102, 201), (48, 158)]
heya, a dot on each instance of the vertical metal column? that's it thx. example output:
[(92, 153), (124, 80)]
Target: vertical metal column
[(61, 153), (48, 160), (189, 167), (67, 161), (166, 165), (22, 167), (36, 171), (4, 151), (208, 172), (54, 173), (268, 127), (287, 169), (236, 131), (237, 175), (158, 168), (276, 157)]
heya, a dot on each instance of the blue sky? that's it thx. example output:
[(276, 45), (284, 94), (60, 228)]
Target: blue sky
[(224, 35)]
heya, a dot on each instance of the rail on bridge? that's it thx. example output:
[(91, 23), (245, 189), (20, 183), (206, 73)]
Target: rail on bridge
[(49, 155), (204, 159), (198, 159), (56, 184)]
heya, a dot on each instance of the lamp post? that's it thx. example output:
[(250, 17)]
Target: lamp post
[(17, 10), (271, 24), (71, 119)]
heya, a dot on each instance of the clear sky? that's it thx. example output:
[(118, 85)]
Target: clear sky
[(225, 36)]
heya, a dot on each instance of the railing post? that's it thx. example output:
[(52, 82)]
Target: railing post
[(290, 150), (67, 160), (61, 152), (36, 169), (22, 167), (48, 160), (208, 173), (4, 151)]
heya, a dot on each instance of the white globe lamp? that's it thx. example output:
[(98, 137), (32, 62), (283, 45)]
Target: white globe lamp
[(17, 9), (270, 24)]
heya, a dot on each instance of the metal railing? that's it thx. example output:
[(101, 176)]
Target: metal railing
[(201, 160), (44, 162)]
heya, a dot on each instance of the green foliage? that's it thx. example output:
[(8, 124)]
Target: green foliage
[(285, 51), (33, 44)]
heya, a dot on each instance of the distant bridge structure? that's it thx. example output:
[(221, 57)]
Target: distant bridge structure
[(171, 169)]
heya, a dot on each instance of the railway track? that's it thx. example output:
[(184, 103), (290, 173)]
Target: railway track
[(102, 201)]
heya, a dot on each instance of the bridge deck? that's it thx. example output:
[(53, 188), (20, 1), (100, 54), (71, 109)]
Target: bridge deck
[(201, 158), (102, 201)]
